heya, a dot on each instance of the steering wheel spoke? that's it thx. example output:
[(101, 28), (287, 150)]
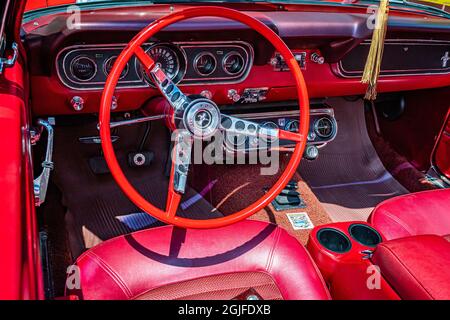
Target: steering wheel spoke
[(172, 203), (291, 136), (176, 98), (181, 159)]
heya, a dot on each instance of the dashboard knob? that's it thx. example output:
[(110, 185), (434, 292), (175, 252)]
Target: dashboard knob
[(312, 136), (114, 103), (77, 103), (317, 58), (206, 94), (311, 153), (234, 95)]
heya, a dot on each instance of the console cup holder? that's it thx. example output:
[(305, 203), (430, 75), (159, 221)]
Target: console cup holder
[(365, 235), (334, 240)]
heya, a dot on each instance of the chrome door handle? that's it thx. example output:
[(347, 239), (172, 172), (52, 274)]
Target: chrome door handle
[(8, 63)]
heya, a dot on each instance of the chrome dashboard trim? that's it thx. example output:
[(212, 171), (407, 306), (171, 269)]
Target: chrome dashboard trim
[(70, 49), (87, 58), (226, 57), (341, 72), (296, 114), (197, 57), (110, 59), (141, 83), (248, 49)]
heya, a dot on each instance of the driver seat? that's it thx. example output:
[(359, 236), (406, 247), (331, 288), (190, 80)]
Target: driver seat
[(246, 260)]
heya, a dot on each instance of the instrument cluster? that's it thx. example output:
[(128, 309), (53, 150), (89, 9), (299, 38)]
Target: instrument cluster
[(86, 67), (323, 128)]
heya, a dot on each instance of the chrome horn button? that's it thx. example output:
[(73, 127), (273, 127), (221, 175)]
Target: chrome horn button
[(202, 118)]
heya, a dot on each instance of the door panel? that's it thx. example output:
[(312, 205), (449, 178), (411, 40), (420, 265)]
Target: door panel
[(20, 271)]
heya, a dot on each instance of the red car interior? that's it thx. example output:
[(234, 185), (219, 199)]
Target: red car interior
[(103, 105)]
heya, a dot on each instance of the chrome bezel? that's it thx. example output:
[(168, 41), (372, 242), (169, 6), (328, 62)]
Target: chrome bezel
[(197, 57), (98, 85), (127, 68), (275, 128), (227, 56), (83, 57), (290, 123), (333, 127)]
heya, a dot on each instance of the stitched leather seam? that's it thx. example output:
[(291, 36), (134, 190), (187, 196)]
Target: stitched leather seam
[(409, 271), (199, 278), (399, 222), (319, 275), (272, 250), (114, 275)]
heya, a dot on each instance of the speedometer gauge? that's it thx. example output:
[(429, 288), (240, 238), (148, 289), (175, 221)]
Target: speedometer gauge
[(167, 57)]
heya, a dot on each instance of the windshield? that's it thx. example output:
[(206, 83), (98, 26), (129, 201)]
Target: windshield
[(443, 5)]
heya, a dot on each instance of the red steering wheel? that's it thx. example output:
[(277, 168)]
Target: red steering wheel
[(189, 110)]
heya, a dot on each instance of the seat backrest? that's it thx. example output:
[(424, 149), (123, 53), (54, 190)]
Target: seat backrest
[(419, 213), (249, 257)]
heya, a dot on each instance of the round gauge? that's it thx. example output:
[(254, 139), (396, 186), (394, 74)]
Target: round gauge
[(233, 63), (166, 58), (83, 68), (269, 125), (205, 64), (292, 126), (109, 63)]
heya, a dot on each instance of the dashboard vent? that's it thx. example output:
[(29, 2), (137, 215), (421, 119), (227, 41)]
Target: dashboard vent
[(324, 128)]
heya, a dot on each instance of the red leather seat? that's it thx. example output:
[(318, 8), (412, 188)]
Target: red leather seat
[(416, 267), (249, 257), (420, 213)]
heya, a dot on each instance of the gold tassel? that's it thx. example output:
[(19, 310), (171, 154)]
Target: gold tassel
[(373, 62)]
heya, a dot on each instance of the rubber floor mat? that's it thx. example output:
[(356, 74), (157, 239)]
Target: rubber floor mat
[(349, 178), (97, 209)]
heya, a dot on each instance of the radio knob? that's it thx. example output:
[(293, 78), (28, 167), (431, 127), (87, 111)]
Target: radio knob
[(77, 103), (206, 94), (317, 58), (114, 103)]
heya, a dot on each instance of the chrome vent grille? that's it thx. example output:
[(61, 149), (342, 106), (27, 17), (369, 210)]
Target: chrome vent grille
[(324, 128)]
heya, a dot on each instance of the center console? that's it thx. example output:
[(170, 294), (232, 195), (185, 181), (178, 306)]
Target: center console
[(333, 243), (342, 252)]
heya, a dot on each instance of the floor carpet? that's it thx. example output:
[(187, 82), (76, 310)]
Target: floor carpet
[(349, 178)]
